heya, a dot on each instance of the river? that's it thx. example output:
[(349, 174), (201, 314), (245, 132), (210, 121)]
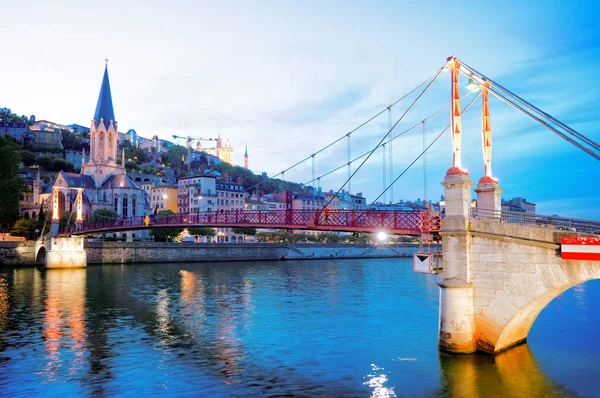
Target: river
[(335, 328)]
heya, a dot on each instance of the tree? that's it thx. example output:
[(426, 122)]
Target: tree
[(131, 165), (175, 158), (6, 115), (244, 231), (24, 227), (62, 165), (71, 141), (28, 158), (11, 183), (103, 215), (165, 234), (202, 231)]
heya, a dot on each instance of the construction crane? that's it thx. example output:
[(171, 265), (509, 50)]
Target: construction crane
[(188, 144)]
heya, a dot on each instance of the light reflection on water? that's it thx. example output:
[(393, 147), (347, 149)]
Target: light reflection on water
[(351, 328)]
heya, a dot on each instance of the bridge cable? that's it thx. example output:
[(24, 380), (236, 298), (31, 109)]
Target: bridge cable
[(425, 150), (534, 108), (430, 80), (388, 133), (394, 138), (502, 95)]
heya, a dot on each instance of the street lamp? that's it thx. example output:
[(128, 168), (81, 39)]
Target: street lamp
[(382, 236), (472, 86), (164, 196)]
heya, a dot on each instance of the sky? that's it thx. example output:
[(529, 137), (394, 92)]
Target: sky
[(286, 78)]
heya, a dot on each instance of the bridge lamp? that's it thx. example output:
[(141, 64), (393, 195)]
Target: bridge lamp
[(472, 86), (382, 236), (165, 196)]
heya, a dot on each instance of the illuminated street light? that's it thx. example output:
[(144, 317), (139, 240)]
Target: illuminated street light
[(165, 196), (472, 86), (382, 236)]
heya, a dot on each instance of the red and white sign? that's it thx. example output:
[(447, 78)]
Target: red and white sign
[(577, 248)]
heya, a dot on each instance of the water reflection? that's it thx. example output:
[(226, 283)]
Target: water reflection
[(514, 373), (64, 330)]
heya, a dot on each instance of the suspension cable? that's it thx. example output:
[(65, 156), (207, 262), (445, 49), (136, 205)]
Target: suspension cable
[(501, 93), (430, 80), (388, 133), (394, 138), (425, 150)]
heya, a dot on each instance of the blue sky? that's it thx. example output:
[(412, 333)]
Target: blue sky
[(286, 78)]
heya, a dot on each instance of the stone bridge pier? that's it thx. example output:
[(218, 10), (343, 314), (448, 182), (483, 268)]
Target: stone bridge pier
[(497, 276), (61, 252)]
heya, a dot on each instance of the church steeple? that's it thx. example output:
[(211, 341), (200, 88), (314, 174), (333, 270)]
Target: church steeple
[(104, 108)]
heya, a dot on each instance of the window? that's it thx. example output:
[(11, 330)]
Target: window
[(125, 206), (133, 205), (116, 204)]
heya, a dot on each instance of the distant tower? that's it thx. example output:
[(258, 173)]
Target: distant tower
[(246, 158)]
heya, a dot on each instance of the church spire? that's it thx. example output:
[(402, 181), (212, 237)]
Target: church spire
[(104, 108)]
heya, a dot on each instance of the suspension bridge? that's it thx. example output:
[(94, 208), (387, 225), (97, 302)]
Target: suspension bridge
[(499, 270)]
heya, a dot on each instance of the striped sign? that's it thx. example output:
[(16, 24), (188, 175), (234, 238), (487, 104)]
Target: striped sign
[(578, 248)]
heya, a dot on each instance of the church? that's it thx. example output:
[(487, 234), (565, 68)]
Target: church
[(102, 180)]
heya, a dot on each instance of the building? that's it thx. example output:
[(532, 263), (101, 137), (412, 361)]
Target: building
[(520, 205), (45, 125), (19, 131), (253, 204), (103, 182), (223, 152), (76, 158), (196, 193), (30, 202), (231, 195), (163, 198)]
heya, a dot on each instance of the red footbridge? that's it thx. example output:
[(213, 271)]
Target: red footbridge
[(393, 222)]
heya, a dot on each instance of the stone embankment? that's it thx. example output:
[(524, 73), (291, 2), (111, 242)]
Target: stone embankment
[(22, 253)]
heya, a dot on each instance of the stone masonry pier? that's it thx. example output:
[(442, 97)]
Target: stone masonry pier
[(497, 276)]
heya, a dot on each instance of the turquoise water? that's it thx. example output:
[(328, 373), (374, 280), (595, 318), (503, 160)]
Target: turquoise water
[(340, 328)]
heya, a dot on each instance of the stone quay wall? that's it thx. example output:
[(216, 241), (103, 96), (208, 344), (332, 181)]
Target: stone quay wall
[(22, 253), (157, 252)]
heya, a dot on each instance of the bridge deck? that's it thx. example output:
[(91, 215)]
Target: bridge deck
[(393, 222)]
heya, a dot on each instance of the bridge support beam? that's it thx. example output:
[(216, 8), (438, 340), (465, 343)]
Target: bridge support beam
[(457, 319)]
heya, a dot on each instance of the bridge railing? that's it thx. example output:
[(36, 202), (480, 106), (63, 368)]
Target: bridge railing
[(538, 220), (414, 222)]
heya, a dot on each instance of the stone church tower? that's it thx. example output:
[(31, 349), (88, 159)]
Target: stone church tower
[(103, 139)]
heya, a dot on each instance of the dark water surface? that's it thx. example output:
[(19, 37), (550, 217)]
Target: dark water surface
[(341, 328)]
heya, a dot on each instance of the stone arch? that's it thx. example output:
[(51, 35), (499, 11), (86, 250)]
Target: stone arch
[(40, 256), (537, 293), (233, 239)]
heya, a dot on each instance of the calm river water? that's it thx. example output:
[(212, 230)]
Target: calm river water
[(340, 328)]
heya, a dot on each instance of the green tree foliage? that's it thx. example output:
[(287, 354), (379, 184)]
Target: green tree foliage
[(6, 115), (51, 163), (26, 227), (175, 158), (138, 155), (102, 215), (71, 141), (28, 158), (165, 234), (244, 231), (202, 231), (282, 236), (132, 165), (11, 183)]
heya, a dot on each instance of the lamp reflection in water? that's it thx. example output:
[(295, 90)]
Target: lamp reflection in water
[(513, 373), (192, 302), (64, 321)]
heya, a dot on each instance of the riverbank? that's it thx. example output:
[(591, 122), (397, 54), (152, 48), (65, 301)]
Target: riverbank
[(22, 253)]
